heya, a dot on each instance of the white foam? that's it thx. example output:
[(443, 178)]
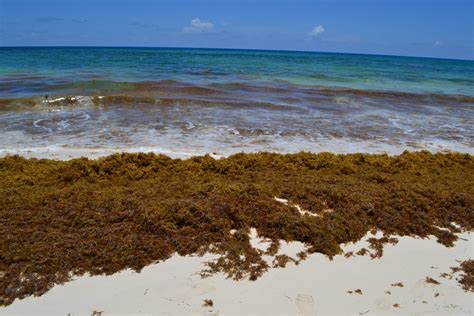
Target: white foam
[(56, 100)]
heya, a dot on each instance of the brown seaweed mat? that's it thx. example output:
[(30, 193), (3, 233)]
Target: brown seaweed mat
[(64, 218)]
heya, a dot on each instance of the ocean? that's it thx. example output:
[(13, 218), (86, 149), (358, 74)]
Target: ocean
[(184, 102)]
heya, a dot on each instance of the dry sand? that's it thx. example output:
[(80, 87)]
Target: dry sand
[(317, 286)]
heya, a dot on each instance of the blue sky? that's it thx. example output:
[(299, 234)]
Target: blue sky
[(435, 28)]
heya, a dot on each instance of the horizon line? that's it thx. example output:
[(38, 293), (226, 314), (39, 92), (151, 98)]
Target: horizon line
[(226, 48)]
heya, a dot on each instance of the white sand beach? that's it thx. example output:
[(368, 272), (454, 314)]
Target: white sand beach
[(317, 286)]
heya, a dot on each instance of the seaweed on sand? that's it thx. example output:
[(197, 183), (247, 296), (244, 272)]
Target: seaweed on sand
[(467, 277), (377, 245), (398, 284), (208, 303), (431, 281), (60, 219)]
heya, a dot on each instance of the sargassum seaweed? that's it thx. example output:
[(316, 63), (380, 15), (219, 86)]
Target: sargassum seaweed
[(60, 219)]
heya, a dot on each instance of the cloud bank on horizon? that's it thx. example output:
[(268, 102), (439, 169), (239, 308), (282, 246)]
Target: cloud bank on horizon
[(391, 27)]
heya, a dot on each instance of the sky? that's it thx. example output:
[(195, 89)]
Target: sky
[(430, 28)]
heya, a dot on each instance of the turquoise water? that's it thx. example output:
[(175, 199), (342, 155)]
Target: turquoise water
[(28, 71), (90, 101)]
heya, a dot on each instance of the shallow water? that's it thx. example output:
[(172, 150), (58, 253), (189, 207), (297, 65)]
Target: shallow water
[(196, 101)]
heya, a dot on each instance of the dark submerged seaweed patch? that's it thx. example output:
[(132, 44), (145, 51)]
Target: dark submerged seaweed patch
[(64, 218)]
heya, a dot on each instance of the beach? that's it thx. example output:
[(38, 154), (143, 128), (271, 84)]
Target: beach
[(127, 211), (142, 181), (316, 286)]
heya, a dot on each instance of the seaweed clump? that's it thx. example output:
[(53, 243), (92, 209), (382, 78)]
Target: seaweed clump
[(431, 281), (377, 245), (208, 303), (60, 219), (467, 277)]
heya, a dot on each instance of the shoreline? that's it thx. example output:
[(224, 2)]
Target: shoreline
[(181, 181), (339, 147)]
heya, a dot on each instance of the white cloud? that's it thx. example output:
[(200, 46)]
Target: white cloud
[(198, 26), (317, 30), (437, 43)]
